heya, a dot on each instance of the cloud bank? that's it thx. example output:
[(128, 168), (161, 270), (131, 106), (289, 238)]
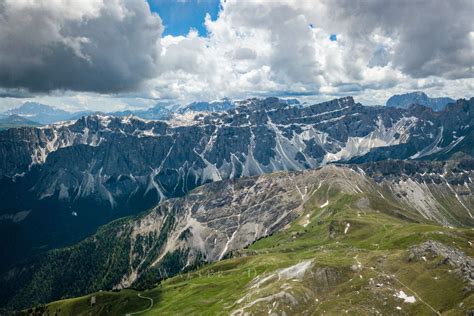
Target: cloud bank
[(324, 48)]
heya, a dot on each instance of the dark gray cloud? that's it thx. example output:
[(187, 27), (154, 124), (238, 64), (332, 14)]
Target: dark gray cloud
[(100, 46), (15, 93), (244, 53)]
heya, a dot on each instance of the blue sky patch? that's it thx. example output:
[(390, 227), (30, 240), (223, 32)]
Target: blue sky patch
[(179, 16), (333, 37)]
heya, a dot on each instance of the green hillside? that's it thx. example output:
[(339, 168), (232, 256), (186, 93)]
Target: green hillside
[(346, 256)]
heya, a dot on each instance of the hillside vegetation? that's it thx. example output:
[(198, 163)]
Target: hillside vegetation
[(345, 253)]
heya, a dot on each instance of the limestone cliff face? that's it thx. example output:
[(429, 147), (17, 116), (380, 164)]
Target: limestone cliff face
[(109, 159)]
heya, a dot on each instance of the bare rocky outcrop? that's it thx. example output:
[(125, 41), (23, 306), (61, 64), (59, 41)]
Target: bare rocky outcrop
[(462, 264)]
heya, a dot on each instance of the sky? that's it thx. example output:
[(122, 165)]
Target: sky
[(115, 54), (178, 17)]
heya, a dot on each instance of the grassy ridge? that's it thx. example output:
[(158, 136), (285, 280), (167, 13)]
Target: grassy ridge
[(377, 240)]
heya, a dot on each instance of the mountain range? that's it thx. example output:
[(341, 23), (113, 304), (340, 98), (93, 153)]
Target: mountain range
[(40, 113), (202, 185), (45, 114), (126, 165)]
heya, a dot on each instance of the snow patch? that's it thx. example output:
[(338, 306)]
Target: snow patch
[(15, 218), (406, 298), (296, 271), (348, 225)]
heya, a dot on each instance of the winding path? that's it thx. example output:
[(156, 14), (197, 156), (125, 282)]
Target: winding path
[(145, 310)]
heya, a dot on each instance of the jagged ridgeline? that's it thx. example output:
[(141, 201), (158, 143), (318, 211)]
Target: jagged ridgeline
[(318, 220), (60, 182)]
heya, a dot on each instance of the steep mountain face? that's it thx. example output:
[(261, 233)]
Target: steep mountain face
[(450, 136), (220, 218), (102, 167), (407, 99), (121, 155), (40, 113)]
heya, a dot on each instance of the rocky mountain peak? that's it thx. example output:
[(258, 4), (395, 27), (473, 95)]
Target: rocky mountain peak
[(420, 98)]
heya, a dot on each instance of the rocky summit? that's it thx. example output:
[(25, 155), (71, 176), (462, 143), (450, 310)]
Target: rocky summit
[(408, 99)]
